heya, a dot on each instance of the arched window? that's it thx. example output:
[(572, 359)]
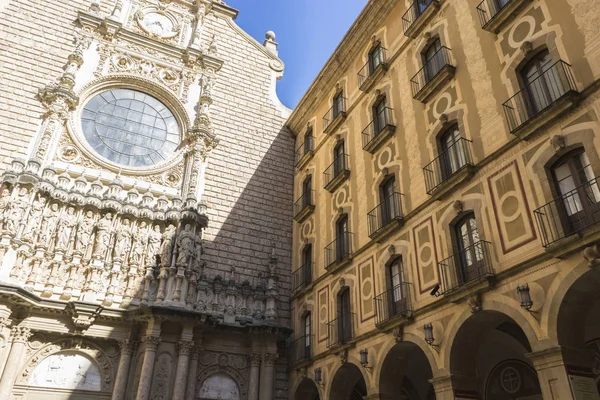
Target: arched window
[(577, 186), (542, 83), (398, 289), (452, 151), (307, 322), (470, 253), (380, 119), (342, 238), (307, 262), (376, 58), (389, 207), (339, 160), (433, 59), (338, 104), (344, 317), (307, 192), (308, 141)]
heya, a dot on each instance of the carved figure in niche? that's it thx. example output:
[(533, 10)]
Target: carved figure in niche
[(4, 202), (166, 250), (185, 246), (34, 219), (103, 230), (49, 224), (65, 228), (16, 211), (198, 264), (84, 232), (154, 242), (140, 240), (123, 239)]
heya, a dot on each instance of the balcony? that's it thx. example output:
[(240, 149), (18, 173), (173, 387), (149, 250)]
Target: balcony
[(335, 116), (305, 151), (470, 269), (341, 330), (304, 206), (435, 73), (417, 16), (494, 14), (301, 349), (302, 277), (336, 173), (339, 252), (541, 101), (373, 70), (452, 166), (379, 130), (567, 222), (393, 305), (386, 218)]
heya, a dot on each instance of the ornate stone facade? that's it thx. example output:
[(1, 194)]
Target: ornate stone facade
[(128, 269)]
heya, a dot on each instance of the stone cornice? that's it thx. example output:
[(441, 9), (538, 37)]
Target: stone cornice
[(355, 40)]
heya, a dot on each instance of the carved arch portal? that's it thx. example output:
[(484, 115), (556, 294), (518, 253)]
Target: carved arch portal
[(221, 378)]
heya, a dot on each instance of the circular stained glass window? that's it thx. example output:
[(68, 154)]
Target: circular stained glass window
[(130, 128)]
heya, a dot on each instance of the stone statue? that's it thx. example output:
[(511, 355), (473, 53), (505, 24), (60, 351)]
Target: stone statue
[(34, 219), (84, 232), (65, 229), (140, 241), (4, 202), (123, 240), (198, 264), (103, 230), (49, 223), (185, 246), (154, 240), (166, 249), (16, 211)]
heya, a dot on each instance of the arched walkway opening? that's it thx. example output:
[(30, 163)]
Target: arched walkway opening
[(578, 325), (348, 384), (405, 374), (307, 390), (488, 359)]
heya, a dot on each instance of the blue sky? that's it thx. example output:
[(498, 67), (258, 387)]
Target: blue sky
[(308, 31)]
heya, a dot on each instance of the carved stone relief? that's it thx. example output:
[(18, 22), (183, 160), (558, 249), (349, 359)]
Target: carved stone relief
[(67, 370)]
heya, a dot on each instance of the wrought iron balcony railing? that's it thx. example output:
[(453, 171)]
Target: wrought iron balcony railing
[(338, 110), (390, 209), (304, 148), (303, 276), (488, 9), (468, 265), (301, 349), (448, 163), (570, 213), (415, 10), (384, 119), (339, 250), (307, 200), (339, 166), (540, 94), (377, 60), (430, 70), (341, 329), (393, 302)]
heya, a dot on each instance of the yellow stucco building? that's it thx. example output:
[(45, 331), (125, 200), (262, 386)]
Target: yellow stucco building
[(447, 208)]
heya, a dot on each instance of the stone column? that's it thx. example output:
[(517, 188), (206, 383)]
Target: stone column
[(181, 374), (267, 376), (20, 336), (151, 345), (127, 349), (552, 373), (254, 359), (443, 387), (190, 391)]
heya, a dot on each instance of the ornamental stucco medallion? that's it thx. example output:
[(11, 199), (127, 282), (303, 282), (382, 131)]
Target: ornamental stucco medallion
[(158, 23)]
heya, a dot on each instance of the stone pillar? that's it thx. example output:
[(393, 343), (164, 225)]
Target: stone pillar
[(181, 374), (127, 349), (267, 376), (443, 387), (254, 359), (551, 369), (20, 336), (190, 391), (151, 345)]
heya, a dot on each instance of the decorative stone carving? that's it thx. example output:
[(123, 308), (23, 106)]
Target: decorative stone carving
[(185, 246), (123, 240), (398, 333), (592, 255), (33, 221), (84, 232), (558, 143), (20, 334), (166, 249), (458, 206), (475, 303), (16, 211), (65, 229), (49, 225), (67, 370), (103, 233)]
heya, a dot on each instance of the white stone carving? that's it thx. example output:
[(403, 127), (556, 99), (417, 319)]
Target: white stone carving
[(67, 370), (219, 386)]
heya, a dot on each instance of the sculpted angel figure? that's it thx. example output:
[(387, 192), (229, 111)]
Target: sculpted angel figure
[(185, 246), (49, 223), (123, 239), (65, 228), (84, 232), (154, 239), (140, 241), (166, 249), (103, 230), (34, 219)]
